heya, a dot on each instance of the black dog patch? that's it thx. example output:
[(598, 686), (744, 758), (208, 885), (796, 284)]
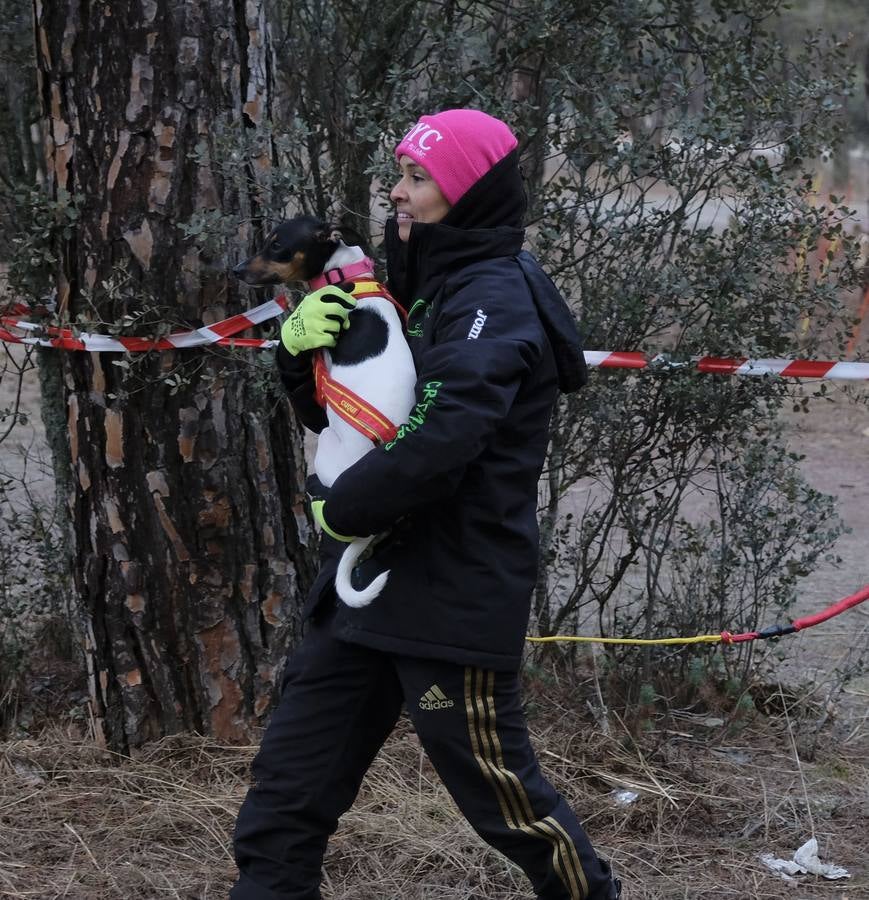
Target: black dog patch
[(366, 338)]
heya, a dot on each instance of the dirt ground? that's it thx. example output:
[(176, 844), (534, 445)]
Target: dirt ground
[(833, 436), (706, 800)]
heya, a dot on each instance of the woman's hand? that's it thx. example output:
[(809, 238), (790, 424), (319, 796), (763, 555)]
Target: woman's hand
[(318, 320), (317, 496)]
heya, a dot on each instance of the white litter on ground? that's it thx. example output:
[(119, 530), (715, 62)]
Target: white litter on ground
[(805, 862)]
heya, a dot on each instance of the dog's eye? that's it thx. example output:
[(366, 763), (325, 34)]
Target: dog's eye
[(276, 244)]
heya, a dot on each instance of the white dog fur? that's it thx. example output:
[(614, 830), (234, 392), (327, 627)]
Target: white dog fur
[(387, 383)]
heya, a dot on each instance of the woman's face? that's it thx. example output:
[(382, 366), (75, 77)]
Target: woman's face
[(417, 197)]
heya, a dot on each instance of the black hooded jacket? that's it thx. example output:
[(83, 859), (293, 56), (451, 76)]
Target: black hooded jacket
[(456, 490)]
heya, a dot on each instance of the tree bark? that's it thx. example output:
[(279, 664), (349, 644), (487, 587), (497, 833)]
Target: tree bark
[(190, 543)]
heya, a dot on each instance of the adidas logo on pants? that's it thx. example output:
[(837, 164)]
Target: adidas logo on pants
[(435, 698)]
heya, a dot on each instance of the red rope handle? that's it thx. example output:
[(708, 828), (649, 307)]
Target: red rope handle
[(834, 610)]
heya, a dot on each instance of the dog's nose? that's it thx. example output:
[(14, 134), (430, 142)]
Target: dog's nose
[(240, 270)]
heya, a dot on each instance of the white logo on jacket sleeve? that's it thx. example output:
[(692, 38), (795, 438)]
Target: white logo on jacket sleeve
[(477, 327)]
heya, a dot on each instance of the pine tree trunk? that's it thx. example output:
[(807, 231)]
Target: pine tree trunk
[(190, 545)]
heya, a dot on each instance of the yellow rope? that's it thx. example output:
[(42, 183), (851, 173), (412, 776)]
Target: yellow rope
[(697, 639), (725, 637)]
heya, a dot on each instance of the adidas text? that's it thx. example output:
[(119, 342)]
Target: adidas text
[(477, 327), (435, 698), (435, 704)]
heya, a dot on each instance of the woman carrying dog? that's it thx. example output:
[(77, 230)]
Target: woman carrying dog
[(456, 493)]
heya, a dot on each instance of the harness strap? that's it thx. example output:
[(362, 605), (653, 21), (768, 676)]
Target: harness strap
[(350, 406), (363, 288), (345, 273)]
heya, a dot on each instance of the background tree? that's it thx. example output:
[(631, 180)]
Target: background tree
[(29, 596), (21, 163), (680, 214), (352, 76), (189, 542)]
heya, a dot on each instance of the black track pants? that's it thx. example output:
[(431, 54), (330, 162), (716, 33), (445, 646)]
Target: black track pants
[(339, 703)]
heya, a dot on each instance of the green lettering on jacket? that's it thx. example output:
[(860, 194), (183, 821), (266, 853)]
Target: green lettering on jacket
[(415, 330), (418, 414)]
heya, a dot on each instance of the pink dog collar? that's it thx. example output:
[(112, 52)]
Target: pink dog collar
[(345, 273)]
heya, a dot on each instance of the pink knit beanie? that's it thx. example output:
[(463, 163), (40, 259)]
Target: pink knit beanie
[(457, 147)]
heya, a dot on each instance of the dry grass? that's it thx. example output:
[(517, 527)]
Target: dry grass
[(76, 822)]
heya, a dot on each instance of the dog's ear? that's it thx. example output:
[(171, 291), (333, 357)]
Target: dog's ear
[(352, 237), (327, 234)]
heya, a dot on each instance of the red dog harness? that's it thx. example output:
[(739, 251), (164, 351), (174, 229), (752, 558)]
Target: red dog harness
[(350, 406)]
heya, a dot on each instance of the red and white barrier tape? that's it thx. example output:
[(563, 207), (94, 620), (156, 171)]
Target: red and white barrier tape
[(788, 368), (222, 333)]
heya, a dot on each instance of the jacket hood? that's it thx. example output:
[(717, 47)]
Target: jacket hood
[(485, 223), (497, 199)]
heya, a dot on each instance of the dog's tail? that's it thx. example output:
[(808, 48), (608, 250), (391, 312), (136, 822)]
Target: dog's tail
[(345, 589)]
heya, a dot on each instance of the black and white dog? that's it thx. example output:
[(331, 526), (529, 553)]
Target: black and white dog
[(371, 358)]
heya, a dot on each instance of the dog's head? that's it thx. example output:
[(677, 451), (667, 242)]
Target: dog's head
[(296, 250)]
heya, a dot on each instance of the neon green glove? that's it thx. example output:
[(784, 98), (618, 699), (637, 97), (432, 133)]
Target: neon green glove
[(317, 512), (317, 321), (317, 495)]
